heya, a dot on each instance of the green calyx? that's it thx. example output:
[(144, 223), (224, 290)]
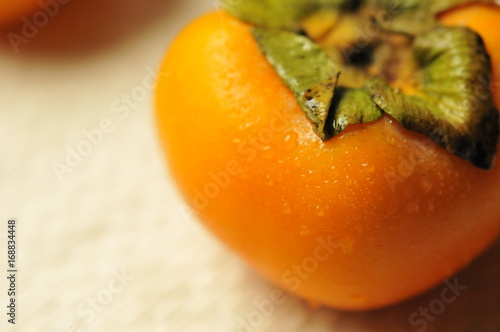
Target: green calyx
[(349, 62), (277, 14), (305, 68)]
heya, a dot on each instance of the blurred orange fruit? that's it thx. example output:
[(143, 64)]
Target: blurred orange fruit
[(11, 12)]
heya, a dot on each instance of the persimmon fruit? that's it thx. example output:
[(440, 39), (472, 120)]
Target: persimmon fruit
[(12, 11), (367, 219), (484, 19)]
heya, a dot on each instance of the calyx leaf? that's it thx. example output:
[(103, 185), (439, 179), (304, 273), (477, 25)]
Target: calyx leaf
[(307, 71), (408, 16), (432, 79), (453, 108), (353, 106), (417, 16), (276, 14)]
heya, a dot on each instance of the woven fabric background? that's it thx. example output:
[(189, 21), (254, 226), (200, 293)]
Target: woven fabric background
[(106, 244)]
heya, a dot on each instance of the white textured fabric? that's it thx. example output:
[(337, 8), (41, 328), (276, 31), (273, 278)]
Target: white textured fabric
[(109, 248)]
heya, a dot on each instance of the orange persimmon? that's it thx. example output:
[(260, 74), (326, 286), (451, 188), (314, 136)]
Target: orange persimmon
[(366, 219), (11, 11)]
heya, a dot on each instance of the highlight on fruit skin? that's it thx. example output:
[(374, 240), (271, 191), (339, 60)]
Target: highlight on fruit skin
[(371, 217)]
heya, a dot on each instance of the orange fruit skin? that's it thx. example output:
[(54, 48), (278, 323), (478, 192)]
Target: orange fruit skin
[(367, 219)]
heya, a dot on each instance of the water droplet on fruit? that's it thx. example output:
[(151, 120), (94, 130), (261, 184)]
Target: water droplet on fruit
[(320, 212), (346, 244), (290, 141), (304, 231), (268, 152), (426, 185)]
